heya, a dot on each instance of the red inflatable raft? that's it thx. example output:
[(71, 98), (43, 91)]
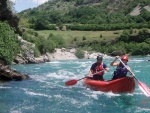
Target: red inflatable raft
[(122, 85)]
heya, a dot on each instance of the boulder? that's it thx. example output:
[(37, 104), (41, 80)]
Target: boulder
[(117, 53), (64, 28), (7, 74), (57, 29)]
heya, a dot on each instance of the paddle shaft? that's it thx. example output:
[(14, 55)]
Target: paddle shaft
[(128, 69)]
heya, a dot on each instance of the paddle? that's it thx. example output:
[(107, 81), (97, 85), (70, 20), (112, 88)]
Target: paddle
[(145, 89), (74, 81)]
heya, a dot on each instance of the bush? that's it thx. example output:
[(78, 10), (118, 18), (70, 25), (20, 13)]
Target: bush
[(36, 52), (79, 53), (84, 38), (45, 45), (9, 46), (75, 39), (101, 36), (58, 40)]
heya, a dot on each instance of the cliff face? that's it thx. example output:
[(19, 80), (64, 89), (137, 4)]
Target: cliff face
[(27, 55)]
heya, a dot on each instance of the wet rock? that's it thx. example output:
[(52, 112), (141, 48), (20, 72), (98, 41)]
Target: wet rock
[(7, 74)]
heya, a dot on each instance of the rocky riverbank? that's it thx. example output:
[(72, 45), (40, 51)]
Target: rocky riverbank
[(59, 54), (27, 57)]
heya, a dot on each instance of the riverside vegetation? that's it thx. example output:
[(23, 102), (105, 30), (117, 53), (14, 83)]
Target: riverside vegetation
[(132, 35), (9, 45), (94, 15)]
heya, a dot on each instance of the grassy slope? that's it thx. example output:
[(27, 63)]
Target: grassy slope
[(90, 35)]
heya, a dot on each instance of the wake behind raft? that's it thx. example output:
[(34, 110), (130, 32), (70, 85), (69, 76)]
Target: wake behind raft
[(122, 85)]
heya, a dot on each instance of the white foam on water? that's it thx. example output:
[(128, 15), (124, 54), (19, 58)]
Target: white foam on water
[(142, 110), (57, 96), (73, 101), (138, 93), (137, 71), (37, 68), (39, 78), (36, 94), (91, 94), (78, 103), (3, 87), (95, 94), (130, 94), (110, 94), (15, 111), (59, 75), (29, 107), (136, 60), (54, 62), (64, 75)]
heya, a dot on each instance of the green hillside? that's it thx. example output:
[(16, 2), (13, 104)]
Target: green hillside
[(101, 17), (81, 14)]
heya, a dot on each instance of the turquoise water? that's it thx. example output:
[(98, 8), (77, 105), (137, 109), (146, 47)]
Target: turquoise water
[(45, 92)]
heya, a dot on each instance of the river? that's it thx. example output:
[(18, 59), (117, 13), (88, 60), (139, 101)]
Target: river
[(46, 92)]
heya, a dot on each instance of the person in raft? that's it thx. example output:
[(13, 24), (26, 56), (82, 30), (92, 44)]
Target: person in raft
[(97, 69), (121, 70)]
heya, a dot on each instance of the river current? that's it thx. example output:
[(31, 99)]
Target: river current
[(45, 91)]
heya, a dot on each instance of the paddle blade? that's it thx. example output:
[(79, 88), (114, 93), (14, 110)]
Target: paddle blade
[(145, 89), (71, 82)]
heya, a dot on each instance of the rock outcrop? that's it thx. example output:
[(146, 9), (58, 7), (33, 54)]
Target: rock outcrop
[(27, 56), (7, 74)]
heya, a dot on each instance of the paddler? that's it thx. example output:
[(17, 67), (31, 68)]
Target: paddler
[(121, 70), (98, 69)]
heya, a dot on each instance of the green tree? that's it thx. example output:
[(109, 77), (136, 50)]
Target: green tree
[(9, 47)]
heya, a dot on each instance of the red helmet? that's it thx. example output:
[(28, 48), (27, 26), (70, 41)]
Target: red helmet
[(124, 57)]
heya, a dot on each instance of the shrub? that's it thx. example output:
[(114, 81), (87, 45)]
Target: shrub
[(9, 46), (79, 53), (58, 40), (84, 38), (75, 39), (101, 36), (36, 52)]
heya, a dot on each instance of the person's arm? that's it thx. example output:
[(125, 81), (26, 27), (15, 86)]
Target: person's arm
[(129, 69), (113, 63), (105, 68), (91, 70), (90, 73)]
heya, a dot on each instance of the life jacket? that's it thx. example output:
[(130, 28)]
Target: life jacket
[(99, 68), (121, 71)]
